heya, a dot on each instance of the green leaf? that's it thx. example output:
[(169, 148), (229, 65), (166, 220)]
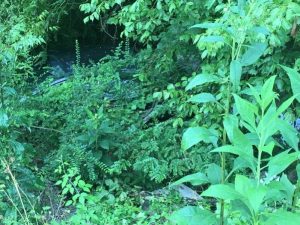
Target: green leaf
[(289, 188), (289, 134), (280, 162), (3, 119), (294, 79), (282, 217), (253, 194), (260, 30), (267, 94), (222, 191), (244, 154), (212, 39), (208, 25), (17, 147), (268, 124), (229, 123), (285, 105), (201, 79), (254, 52), (246, 109), (193, 215), (202, 98), (235, 73), (214, 173), (194, 135), (195, 179), (68, 203), (268, 148)]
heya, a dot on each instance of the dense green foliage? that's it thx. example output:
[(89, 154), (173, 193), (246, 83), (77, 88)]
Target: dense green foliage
[(204, 93)]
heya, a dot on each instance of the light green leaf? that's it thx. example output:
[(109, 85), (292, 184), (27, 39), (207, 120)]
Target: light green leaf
[(222, 191), (260, 30), (202, 98), (289, 188), (246, 109), (294, 79), (268, 124), (195, 179), (194, 135), (268, 148), (280, 162), (254, 52), (285, 105), (214, 173), (229, 123), (208, 25), (193, 215), (282, 217), (289, 134), (17, 147), (201, 79), (3, 119), (253, 194), (267, 94), (243, 153), (235, 73), (212, 39), (68, 203)]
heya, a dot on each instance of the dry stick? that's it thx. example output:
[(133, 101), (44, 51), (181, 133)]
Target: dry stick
[(17, 189), (32, 206), (46, 128), (12, 202)]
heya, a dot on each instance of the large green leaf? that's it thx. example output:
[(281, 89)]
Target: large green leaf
[(193, 215), (235, 73), (201, 79), (267, 94), (285, 105), (3, 119), (194, 179), (289, 134), (253, 194), (254, 52), (246, 109), (202, 98), (229, 123), (17, 147), (289, 188), (295, 80), (194, 135), (212, 39), (280, 162), (244, 154), (222, 191), (282, 217), (214, 173)]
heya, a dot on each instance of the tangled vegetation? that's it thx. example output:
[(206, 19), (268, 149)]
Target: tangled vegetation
[(188, 113)]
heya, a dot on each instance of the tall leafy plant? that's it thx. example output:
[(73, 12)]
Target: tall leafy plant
[(251, 134)]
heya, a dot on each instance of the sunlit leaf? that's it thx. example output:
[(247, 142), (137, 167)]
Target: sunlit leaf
[(222, 191), (194, 135), (195, 179), (202, 98), (235, 73), (212, 39), (253, 53), (193, 215), (201, 79), (280, 162), (294, 79), (208, 25)]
